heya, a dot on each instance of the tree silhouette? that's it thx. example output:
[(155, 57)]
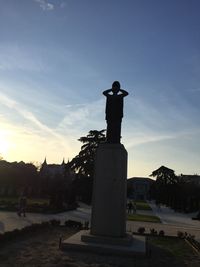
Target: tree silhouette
[(83, 163), (18, 177), (165, 175), (166, 187)]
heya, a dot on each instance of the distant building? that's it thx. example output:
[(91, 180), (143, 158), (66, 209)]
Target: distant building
[(139, 187), (55, 175), (57, 170), (188, 178)]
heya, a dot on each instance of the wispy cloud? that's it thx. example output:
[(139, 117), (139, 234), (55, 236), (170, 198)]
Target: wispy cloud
[(63, 5), (194, 90), (16, 57), (46, 6), (27, 115), (81, 118), (149, 123), (147, 138), (27, 144), (29, 131), (33, 128), (150, 137)]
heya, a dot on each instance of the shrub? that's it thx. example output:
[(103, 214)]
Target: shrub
[(141, 230), (7, 235), (161, 233), (44, 224), (73, 224), (33, 227), (153, 231), (180, 234), (55, 222), (15, 232), (1, 237), (191, 236)]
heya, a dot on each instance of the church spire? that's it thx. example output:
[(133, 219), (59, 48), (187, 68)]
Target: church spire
[(45, 162)]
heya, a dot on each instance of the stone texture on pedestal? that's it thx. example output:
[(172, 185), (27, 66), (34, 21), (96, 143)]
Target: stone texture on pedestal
[(109, 191), (136, 248), (115, 241)]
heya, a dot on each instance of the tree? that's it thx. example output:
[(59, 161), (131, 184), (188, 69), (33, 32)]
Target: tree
[(165, 175), (83, 163), (179, 192), (166, 187), (16, 177)]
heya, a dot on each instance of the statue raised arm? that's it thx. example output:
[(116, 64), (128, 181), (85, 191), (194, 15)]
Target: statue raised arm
[(114, 112)]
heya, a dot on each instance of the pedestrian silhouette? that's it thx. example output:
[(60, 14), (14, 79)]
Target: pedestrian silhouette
[(130, 207), (22, 206)]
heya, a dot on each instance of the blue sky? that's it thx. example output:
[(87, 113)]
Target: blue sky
[(57, 56)]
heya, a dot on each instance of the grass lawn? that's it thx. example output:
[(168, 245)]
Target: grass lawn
[(143, 218), (41, 249), (175, 246), (39, 201), (33, 204), (142, 205), (30, 201), (36, 205)]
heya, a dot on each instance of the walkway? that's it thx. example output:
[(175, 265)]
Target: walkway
[(10, 220), (169, 216), (172, 222)]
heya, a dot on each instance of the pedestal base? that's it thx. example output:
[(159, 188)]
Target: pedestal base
[(114, 241), (137, 246)]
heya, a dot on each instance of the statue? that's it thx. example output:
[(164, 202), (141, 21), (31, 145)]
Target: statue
[(114, 112)]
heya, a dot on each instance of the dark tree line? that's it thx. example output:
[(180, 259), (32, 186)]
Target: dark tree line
[(18, 177), (181, 193)]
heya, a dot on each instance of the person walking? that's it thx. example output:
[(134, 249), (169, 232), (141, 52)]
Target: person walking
[(22, 206), (130, 207)]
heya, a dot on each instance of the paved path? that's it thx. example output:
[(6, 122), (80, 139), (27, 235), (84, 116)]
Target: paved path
[(10, 220), (169, 216), (172, 222)]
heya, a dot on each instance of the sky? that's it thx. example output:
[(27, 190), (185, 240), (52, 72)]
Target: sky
[(58, 56)]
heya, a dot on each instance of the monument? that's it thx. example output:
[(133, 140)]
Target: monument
[(109, 190), (108, 219)]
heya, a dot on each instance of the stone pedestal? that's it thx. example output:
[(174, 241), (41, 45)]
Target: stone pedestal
[(137, 248), (109, 191), (108, 223)]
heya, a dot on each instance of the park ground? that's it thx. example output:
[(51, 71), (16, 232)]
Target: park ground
[(41, 248), (170, 221)]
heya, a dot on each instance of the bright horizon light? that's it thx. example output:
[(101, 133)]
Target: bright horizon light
[(4, 144)]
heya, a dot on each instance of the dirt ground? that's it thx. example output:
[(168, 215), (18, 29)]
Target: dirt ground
[(42, 249)]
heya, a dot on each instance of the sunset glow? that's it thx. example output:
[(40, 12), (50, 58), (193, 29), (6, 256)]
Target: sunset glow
[(4, 144), (56, 60)]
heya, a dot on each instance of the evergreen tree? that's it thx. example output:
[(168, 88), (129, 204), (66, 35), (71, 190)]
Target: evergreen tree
[(83, 163)]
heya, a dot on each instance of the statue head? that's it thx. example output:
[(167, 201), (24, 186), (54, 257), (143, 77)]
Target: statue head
[(116, 87)]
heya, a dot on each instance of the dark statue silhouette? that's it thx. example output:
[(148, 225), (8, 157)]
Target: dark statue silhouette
[(114, 112)]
